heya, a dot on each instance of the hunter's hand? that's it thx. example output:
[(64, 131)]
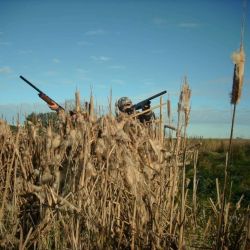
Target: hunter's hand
[(146, 106), (53, 106)]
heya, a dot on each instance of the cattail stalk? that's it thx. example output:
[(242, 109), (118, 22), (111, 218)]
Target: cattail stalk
[(91, 106), (7, 178), (161, 121), (77, 101), (169, 122), (183, 201), (195, 187), (239, 60), (133, 225), (178, 131), (169, 110), (186, 107)]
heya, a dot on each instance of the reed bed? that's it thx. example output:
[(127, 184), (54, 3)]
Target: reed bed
[(100, 182)]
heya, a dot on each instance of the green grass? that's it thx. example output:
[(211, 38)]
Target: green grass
[(211, 165)]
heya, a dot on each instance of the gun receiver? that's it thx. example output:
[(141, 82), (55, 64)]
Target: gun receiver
[(42, 95), (146, 102)]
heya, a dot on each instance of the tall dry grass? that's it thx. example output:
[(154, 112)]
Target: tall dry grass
[(100, 182)]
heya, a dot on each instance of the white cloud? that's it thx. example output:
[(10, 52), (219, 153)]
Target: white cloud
[(24, 52), (67, 82), (118, 81), (83, 74), (102, 86), (56, 60), (100, 58), (5, 70), (85, 78), (80, 70), (158, 51), (188, 25), (5, 43), (117, 67), (95, 32), (83, 43), (50, 73), (159, 21), (149, 83)]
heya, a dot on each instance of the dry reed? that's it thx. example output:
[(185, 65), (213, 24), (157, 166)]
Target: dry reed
[(96, 183)]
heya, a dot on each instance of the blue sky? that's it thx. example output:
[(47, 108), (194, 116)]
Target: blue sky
[(138, 48)]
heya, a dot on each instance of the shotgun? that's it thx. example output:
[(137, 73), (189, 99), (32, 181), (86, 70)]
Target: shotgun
[(42, 95)]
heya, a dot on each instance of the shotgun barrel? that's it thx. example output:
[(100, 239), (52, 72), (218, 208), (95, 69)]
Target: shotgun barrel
[(140, 105)]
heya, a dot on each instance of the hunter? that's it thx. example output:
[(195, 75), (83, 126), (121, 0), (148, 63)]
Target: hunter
[(124, 105)]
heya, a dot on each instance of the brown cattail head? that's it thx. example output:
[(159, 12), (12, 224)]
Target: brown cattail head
[(238, 77), (184, 101), (77, 101), (110, 102), (186, 94), (169, 108), (91, 106), (180, 102)]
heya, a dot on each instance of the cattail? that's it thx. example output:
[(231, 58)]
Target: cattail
[(90, 170), (56, 141), (33, 132), (91, 106), (239, 61), (116, 109), (180, 102), (77, 101), (4, 128), (49, 132), (66, 105), (169, 108), (186, 94), (49, 138), (110, 102), (186, 101)]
